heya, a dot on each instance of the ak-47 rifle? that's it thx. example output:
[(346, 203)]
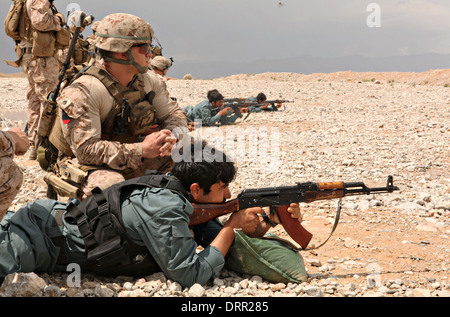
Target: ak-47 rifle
[(236, 106), (242, 101), (279, 199), (228, 100), (277, 101)]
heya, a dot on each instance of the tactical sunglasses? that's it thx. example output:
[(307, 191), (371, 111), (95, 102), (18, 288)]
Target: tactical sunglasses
[(144, 48)]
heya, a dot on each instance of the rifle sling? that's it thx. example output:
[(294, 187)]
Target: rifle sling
[(336, 222)]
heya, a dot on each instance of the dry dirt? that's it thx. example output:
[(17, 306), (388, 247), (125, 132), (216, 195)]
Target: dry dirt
[(342, 127), (385, 242)]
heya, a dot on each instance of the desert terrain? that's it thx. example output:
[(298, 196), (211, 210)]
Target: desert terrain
[(342, 126)]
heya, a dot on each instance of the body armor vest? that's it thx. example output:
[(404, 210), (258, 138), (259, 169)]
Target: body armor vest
[(109, 250), (19, 27), (131, 116), (44, 43)]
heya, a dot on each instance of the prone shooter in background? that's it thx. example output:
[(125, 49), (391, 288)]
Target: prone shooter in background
[(260, 103), (212, 111)]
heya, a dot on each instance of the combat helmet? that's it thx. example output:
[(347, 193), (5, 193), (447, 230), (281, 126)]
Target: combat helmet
[(160, 62), (118, 32)]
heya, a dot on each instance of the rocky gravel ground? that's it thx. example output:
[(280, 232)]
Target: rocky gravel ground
[(337, 129)]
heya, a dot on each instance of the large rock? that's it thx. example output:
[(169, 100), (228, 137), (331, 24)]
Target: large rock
[(22, 285)]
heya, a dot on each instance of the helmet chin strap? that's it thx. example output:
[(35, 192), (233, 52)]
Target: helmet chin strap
[(130, 61)]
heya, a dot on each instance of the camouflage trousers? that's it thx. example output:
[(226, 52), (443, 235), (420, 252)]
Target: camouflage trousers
[(42, 73), (11, 178), (105, 178)]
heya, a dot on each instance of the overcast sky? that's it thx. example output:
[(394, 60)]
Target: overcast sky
[(249, 30)]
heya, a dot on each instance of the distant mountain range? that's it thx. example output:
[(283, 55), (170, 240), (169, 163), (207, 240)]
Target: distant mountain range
[(312, 64), (305, 65)]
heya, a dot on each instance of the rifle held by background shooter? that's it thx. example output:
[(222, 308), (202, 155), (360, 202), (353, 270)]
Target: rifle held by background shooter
[(237, 103), (236, 106)]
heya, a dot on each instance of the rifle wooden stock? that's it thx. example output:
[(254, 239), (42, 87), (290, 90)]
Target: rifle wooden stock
[(205, 212)]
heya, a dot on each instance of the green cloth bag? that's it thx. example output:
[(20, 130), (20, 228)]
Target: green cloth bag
[(274, 259)]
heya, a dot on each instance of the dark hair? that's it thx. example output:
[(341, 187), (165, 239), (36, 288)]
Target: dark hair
[(214, 95), (211, 91), (215, 166), (261, 96)]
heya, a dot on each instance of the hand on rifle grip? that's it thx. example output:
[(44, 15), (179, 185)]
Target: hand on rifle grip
[(292, 209), (292, 225), (245, 219), (224, 111)]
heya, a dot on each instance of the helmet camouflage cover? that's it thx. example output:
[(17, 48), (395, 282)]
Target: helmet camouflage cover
[(119, 31), (161, 62)]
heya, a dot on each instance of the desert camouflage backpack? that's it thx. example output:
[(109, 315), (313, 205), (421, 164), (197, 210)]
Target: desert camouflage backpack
[(14, 18)]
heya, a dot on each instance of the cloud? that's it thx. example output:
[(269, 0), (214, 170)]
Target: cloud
[(245, 31), (423, 15)]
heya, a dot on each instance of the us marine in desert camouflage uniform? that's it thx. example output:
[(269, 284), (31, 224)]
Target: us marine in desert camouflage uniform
[(160, 65), (39, 59), (12, 142), (107, 115)]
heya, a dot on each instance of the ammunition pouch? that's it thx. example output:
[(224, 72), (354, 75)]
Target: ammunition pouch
[(48, 116), (62, 38), (47, 154), (81, 52), (80, 56), (142, 116), (43, 44)]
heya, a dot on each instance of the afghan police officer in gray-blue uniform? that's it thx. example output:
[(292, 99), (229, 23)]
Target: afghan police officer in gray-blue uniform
[(261, 98), (47, 235), (207, 111)]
